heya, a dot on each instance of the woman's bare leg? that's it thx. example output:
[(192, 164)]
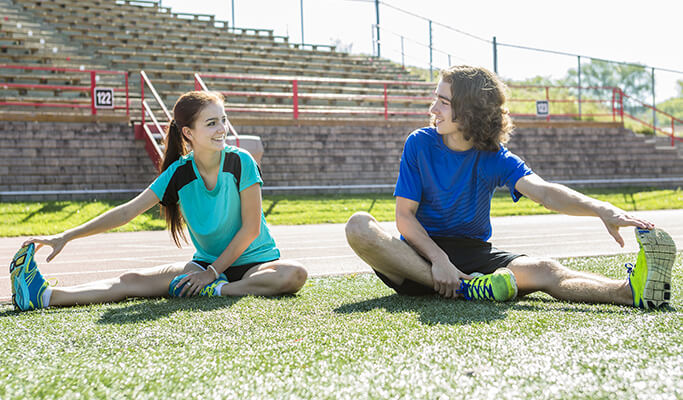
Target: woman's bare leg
[(148, 282), (269, 279)]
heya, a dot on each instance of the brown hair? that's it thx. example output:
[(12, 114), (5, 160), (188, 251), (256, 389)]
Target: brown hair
[(478, 104), (185, 113)]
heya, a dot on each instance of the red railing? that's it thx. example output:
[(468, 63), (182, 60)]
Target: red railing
[(296, 94), (66, 103), (612, 102), (658, 112), (145, 132)]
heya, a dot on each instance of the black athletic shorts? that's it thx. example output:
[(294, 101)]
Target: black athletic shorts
[(468, 255), (234, 272)]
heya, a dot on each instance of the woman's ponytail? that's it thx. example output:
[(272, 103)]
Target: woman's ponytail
[(185, 113), (174, 149)]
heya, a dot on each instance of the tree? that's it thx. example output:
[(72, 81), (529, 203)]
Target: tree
[(634, 80)]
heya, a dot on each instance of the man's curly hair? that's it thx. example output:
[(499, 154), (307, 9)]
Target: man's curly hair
[(478, 104)]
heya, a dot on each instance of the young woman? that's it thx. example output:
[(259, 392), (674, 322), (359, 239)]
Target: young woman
[(216, 191)]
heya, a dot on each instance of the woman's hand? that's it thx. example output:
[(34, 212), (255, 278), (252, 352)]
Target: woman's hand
[(57, 242), (194, 282)]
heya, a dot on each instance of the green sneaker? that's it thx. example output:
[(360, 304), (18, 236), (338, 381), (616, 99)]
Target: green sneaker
[(650, 279), (208, 290), (500, 286)]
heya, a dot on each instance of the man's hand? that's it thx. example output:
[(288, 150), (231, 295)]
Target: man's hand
[(615, 218), (447, 278)]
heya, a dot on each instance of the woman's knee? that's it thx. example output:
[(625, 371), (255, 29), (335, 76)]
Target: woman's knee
[(293, 277)]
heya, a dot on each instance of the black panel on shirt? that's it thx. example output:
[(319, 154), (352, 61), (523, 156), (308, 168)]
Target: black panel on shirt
[(181, 177), (233, 165)]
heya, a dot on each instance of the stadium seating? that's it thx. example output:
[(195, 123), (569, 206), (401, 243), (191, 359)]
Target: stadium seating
[(140, 35), (324, 148)]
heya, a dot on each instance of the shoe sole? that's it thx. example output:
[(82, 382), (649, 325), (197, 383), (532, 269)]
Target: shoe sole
[(514, 283), (20, 293), (660, 254)]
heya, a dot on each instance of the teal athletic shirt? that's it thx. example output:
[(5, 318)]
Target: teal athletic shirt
[(213, 217), (455, 188)]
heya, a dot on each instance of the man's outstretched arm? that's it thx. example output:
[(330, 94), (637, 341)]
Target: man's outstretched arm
[(564, 200)]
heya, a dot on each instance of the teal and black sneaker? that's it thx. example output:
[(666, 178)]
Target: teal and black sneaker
[(499, 286), (207, 290), (650, 278), (26, 281)]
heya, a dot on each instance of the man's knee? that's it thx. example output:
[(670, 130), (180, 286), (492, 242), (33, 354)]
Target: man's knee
[(537, 273), (358, 231)]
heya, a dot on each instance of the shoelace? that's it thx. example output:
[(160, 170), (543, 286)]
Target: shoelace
[(466, 289), (629, 267)]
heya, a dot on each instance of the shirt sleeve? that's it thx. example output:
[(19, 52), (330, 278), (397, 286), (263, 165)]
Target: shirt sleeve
[(512, 169), (250, 171), (409, 182), (160, 184)]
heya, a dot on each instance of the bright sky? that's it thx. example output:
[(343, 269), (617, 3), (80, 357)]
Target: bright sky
[(646, 32)]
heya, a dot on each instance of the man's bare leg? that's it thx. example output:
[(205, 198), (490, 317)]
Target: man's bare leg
[(385, 253), (562, 283)]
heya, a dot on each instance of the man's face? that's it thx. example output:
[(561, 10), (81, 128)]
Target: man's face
[(441, 109)]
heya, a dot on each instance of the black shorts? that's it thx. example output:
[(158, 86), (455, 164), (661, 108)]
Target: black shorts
[(234, 272), (468, 255)]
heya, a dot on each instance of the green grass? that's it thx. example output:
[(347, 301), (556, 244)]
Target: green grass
[(43, 218), (347, 337)]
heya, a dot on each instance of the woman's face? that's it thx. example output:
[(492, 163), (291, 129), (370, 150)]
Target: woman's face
[(441, 110), (209, 129)]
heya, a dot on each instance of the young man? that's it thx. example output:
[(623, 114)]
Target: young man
[(447, 176)]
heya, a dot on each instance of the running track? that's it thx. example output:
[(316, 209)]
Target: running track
[(323, 249)]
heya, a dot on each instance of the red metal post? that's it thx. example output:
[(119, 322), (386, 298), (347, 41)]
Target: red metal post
[(142, 98), (614, 104), (547, 97), (93, 110), (621, 105), (127, 97), (295, 98), (386, 103)]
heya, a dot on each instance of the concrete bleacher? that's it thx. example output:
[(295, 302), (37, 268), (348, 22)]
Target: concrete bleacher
[(140, 35), (325, 148)]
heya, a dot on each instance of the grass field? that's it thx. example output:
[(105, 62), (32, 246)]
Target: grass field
[(40, 218), (350, 338)]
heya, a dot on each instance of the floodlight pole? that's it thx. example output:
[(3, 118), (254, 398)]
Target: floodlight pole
[(578, 74), (495, 56), (301, 6), (654, 105), (232, 10), (431, 68), (377, 24)]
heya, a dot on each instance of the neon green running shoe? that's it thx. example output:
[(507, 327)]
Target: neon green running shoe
[(650, 279), (26, 280), (208, 290), (499, 286)]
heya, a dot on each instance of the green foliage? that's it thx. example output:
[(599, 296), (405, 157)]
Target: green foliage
[(634, 80), (346, 337)]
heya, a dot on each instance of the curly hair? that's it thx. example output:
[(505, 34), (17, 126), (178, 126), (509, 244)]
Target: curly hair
[(478, 105)]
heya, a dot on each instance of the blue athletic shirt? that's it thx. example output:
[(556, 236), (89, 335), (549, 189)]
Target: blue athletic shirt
[(213, 217), (455, 188)]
